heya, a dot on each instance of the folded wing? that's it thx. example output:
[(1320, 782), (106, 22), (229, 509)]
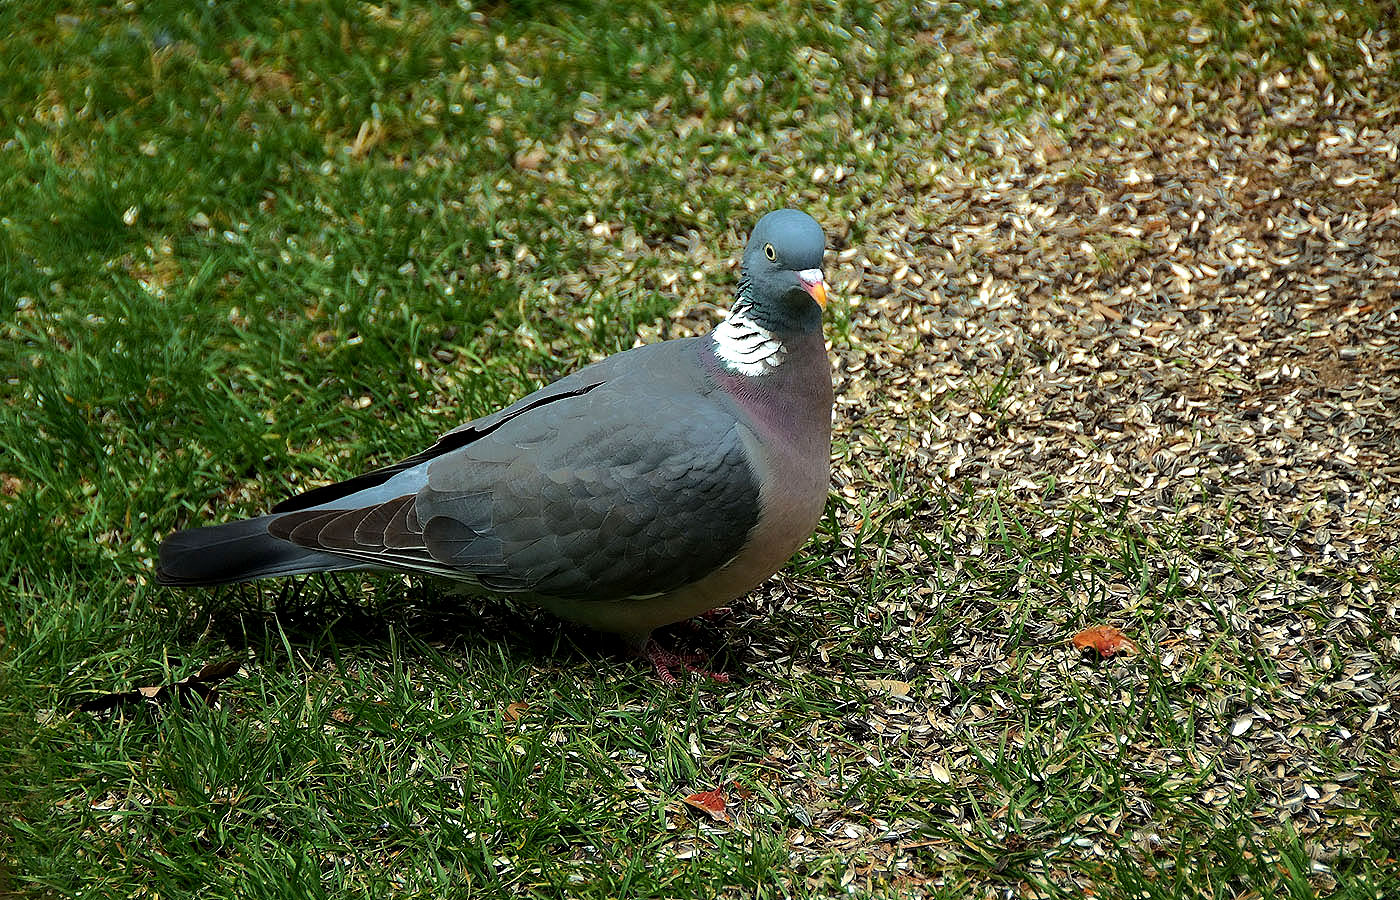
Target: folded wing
[(596, 494)]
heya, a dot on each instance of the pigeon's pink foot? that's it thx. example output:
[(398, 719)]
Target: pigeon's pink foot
[(664, 660)]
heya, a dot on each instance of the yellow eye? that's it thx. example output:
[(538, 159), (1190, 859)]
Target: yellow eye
[(769, 252)]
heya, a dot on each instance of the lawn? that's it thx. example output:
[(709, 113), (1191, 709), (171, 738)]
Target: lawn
[(1116, 340)]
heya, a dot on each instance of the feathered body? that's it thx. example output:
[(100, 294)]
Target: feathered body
[(638, 491)]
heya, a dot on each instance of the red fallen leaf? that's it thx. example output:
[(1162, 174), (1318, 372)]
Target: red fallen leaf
[(1105, 639), (711, 802), (516, 710)]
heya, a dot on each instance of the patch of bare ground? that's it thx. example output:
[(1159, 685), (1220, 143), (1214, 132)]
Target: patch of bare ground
[(1176, 319)]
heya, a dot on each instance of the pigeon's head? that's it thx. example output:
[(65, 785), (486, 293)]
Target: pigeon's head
[(783, 266)]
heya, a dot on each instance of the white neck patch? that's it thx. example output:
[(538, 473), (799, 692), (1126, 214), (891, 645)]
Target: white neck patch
[(746, 347)]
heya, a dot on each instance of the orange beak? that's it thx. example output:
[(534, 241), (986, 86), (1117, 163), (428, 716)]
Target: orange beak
[(815, 284)]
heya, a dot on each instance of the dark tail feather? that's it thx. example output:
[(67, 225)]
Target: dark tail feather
[(238, 551)]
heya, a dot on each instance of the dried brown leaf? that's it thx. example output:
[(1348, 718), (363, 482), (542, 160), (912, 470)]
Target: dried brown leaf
[(203, 684)]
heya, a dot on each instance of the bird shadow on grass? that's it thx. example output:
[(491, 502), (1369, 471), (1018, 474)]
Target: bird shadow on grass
[(320, 616)]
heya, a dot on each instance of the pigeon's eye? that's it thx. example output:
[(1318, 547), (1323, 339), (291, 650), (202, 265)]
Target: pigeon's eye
[(769, 252)]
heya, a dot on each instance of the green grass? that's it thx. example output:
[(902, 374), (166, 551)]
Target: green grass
[(248, 247)]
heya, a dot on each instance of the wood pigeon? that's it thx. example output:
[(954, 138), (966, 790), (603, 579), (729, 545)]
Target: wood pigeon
[(644, 489)]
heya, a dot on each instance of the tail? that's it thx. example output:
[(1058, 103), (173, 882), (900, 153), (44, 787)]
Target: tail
[(238, 551)]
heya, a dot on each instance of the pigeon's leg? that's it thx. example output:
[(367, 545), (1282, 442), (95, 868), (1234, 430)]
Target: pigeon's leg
[(664, 660), (710, 615)]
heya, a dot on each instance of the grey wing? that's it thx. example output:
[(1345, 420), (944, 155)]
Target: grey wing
[(342, 493), (603, 495), (574, 385)]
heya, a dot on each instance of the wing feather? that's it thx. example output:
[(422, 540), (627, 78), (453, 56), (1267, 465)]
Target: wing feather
[(608, 490)]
